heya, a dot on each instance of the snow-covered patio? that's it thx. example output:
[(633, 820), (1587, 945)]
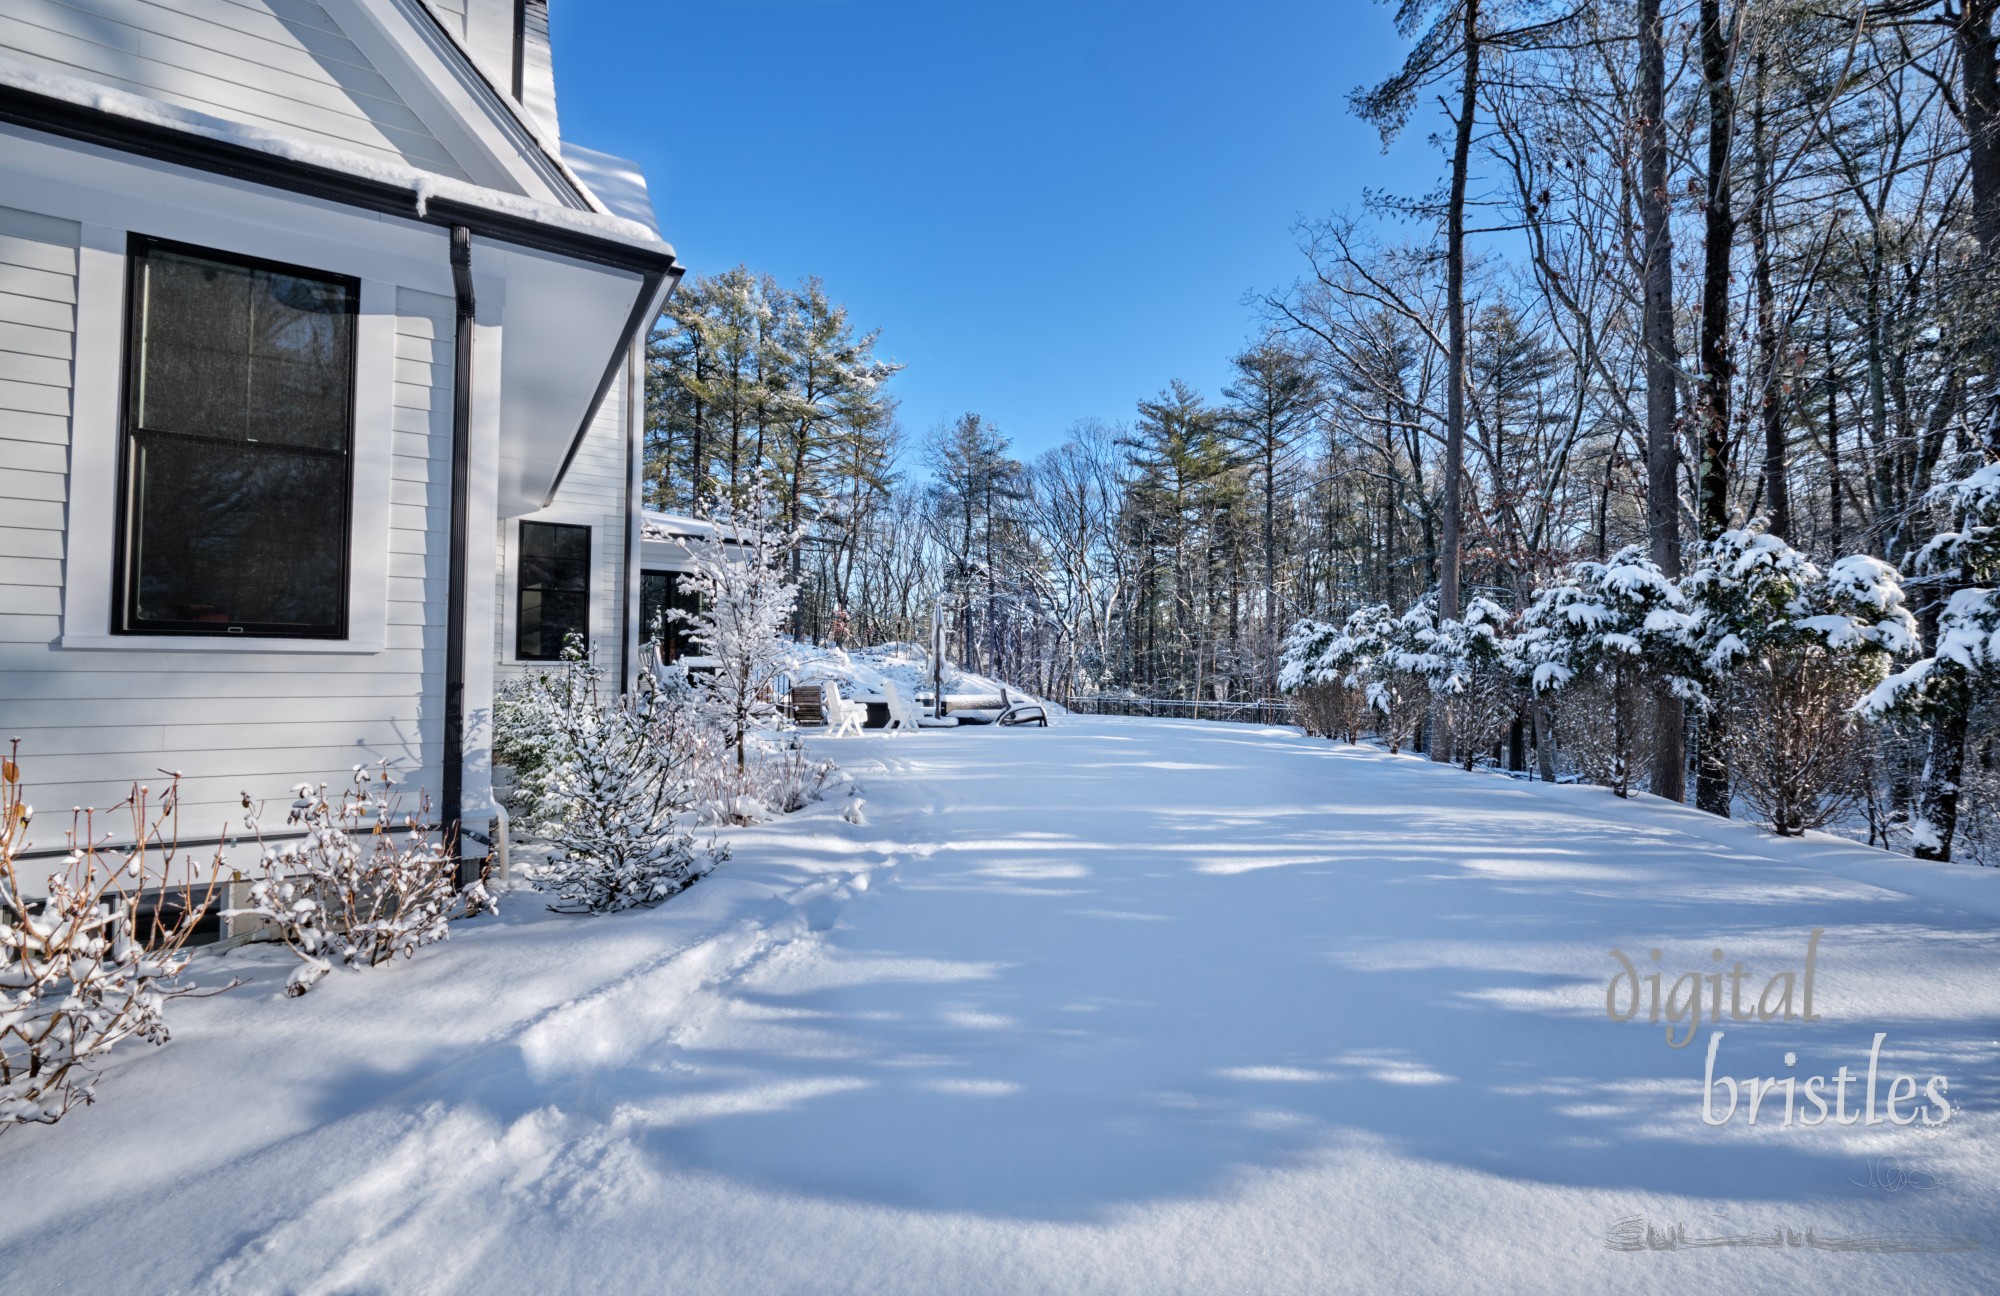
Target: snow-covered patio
[(1136, 1006)]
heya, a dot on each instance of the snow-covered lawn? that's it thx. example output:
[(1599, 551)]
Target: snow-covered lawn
[(1135, 1006)]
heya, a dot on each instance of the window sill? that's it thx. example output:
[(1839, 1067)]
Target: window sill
[(217, 644)]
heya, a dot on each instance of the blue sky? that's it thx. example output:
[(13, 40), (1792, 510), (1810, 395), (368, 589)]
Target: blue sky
[(1050, 210)]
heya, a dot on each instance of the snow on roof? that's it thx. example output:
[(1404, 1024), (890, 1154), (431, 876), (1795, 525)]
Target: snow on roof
[(423, 186), (616, 182), (673, 526)]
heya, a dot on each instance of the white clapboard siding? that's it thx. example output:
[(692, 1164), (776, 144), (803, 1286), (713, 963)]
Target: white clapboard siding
[(93, 723), (593, 491), (283, 65), (37, 326)]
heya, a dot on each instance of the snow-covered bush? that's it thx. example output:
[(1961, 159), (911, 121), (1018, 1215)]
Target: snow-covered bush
[(1783, 650), (791, 778), (614, 784), (358, 888), (91, 965), (1323, 666), (1601, 642)]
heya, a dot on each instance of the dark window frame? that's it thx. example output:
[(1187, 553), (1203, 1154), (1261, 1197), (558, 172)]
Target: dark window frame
[(125, 610), (520, 589)]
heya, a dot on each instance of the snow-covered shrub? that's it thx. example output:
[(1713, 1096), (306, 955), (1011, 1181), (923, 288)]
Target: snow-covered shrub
[(1783, 650), (1321, 666), (615, 784), (358, 888), (791, 778), (1601, 642), (91, 965)]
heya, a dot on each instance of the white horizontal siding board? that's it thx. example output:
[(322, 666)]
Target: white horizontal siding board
[(25, 542), (43, 285), (38, 312), (33, 398), (49, 371), (30, 456), (35, 253), (30, 339)]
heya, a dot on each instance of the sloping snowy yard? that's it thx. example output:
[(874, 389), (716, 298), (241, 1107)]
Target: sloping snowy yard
[(1132, 1006)]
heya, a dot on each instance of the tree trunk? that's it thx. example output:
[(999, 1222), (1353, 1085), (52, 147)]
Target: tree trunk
[(1450, 542), (1777, 466), (1662, 366), (1711, 790)]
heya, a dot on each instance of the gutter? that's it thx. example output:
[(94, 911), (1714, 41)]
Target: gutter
[(452, 794)]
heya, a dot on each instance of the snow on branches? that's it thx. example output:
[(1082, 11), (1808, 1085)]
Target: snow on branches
[(349, 890), (95, 962), (1964, 666), (738, 576)]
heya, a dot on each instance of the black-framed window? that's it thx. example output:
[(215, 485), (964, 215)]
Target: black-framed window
[(237, 471), (552, 594), (659, 593)]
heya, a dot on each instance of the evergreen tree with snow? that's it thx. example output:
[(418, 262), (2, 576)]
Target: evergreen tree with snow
[(1608, 636), (1781, 649), (1963, 671)]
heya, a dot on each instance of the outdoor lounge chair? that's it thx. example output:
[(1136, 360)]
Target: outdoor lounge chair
[(843, 718), (1021, 711), (903, 713)]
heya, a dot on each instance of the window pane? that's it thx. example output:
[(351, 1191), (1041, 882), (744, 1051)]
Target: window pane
[(193, 347), (243, 354), (554, 594), (238, 535), (240, 414), (653, 625)]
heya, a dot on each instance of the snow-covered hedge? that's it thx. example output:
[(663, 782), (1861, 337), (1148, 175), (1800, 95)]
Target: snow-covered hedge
[(1771, 650)]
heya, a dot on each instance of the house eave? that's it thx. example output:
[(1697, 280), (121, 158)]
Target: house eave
[(568, 237)]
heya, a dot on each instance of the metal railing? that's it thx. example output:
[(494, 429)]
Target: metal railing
[(1264, 711)]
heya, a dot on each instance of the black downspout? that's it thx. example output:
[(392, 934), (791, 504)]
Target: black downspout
[(450, 812), (632, 576)]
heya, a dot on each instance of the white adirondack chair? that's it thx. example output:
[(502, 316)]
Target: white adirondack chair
[(902, 708), (842, 716)]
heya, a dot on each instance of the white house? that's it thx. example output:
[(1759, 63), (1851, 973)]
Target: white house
[(303, 305)]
